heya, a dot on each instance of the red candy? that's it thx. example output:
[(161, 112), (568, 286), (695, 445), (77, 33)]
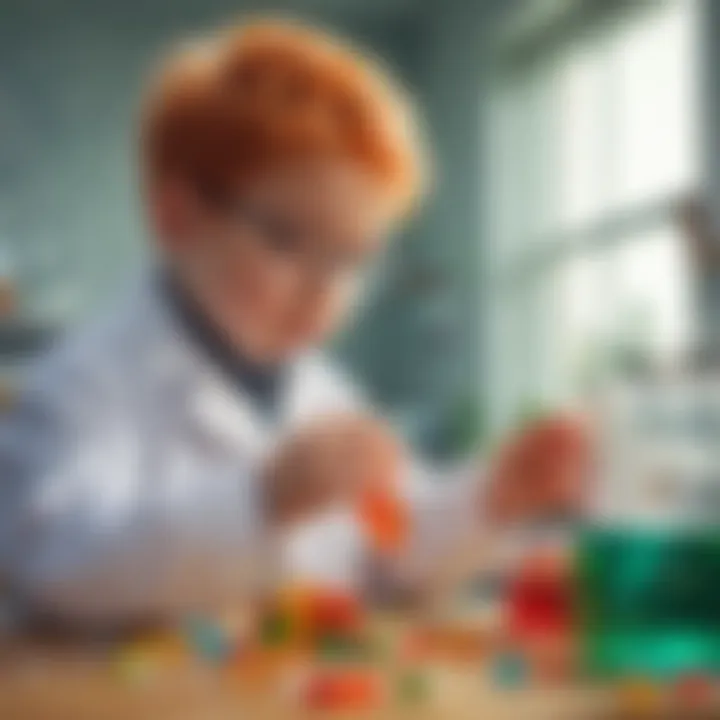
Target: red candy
[(334, 611), (540, 600)]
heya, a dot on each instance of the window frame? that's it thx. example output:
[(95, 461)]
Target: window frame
[(535, 255)]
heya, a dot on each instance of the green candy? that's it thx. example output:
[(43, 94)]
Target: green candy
[(276, 630), (413, 687), (337, 647)]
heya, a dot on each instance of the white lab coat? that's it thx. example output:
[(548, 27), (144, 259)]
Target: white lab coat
[(129, 474)]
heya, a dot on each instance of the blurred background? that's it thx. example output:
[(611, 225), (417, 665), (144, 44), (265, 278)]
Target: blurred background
[(572, 227)]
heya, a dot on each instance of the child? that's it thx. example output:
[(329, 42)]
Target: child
[(154, 458)]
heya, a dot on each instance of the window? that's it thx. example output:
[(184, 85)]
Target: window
[(591, 143)]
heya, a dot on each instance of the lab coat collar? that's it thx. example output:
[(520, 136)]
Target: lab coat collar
[(214, 406), (225, 411)]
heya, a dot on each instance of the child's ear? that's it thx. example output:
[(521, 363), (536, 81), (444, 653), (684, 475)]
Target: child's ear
[(176, 213)]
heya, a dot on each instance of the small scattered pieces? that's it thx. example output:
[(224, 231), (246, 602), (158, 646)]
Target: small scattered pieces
[(413, 686), (276, 629), (640, 698), (256, 667), (342, 690), (695, 692), (552, 657), (338, 648), (540, 598), (510, 670), (208, 640), (145, 655), (133, 666), (335, 612), (323, 638)]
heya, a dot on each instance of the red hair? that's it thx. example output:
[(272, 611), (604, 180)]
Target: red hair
[(260, 94)]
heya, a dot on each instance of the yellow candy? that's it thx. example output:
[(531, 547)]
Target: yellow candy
[(295, 603), (640, 698), (295, 600), (142, 657), (133, 666)]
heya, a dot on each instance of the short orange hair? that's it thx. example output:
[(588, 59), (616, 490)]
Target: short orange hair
[(262, 93)]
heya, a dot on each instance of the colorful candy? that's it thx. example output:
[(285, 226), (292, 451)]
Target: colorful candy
[(336, 612), (340, 690), (257, 667), (413, 686), (144, 655), (540, 599), (344, 649), (640, 698), (276, 629), (695, 692), (208, 639), (133, 666), (313, 617), (510, 670)]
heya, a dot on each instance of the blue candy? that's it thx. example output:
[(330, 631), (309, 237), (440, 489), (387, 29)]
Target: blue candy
[(510, 670), (208, 640)]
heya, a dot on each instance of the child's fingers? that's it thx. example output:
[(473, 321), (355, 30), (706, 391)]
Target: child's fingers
[(543, 470), (331, 462)]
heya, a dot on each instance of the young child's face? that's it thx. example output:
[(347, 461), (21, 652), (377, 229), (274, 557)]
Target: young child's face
[(276, 265)]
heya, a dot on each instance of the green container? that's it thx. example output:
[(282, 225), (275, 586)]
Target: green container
[(649, 602)]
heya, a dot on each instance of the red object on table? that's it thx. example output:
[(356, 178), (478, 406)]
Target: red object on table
[(336, 612), (540, 599), (695, 692), (344, 690)]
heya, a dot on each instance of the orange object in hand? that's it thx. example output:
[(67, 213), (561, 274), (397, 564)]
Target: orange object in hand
[(385, 518), (379, 463)]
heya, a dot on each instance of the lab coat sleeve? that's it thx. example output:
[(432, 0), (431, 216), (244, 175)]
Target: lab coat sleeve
[(92, 529)]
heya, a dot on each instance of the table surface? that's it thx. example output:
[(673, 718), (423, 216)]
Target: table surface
[(67, 682)]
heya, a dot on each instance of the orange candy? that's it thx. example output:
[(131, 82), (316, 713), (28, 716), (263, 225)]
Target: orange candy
[(414, 647), (257, 667), (358, 690), (386, 520)]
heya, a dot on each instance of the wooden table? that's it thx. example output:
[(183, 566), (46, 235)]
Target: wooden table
[(42, 682)]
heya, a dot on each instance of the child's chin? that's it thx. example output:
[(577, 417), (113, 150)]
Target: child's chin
[(293, 343), (286, 349)]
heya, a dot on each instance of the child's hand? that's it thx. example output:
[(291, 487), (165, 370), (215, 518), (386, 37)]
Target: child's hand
[(541, 472), (330, 462)]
